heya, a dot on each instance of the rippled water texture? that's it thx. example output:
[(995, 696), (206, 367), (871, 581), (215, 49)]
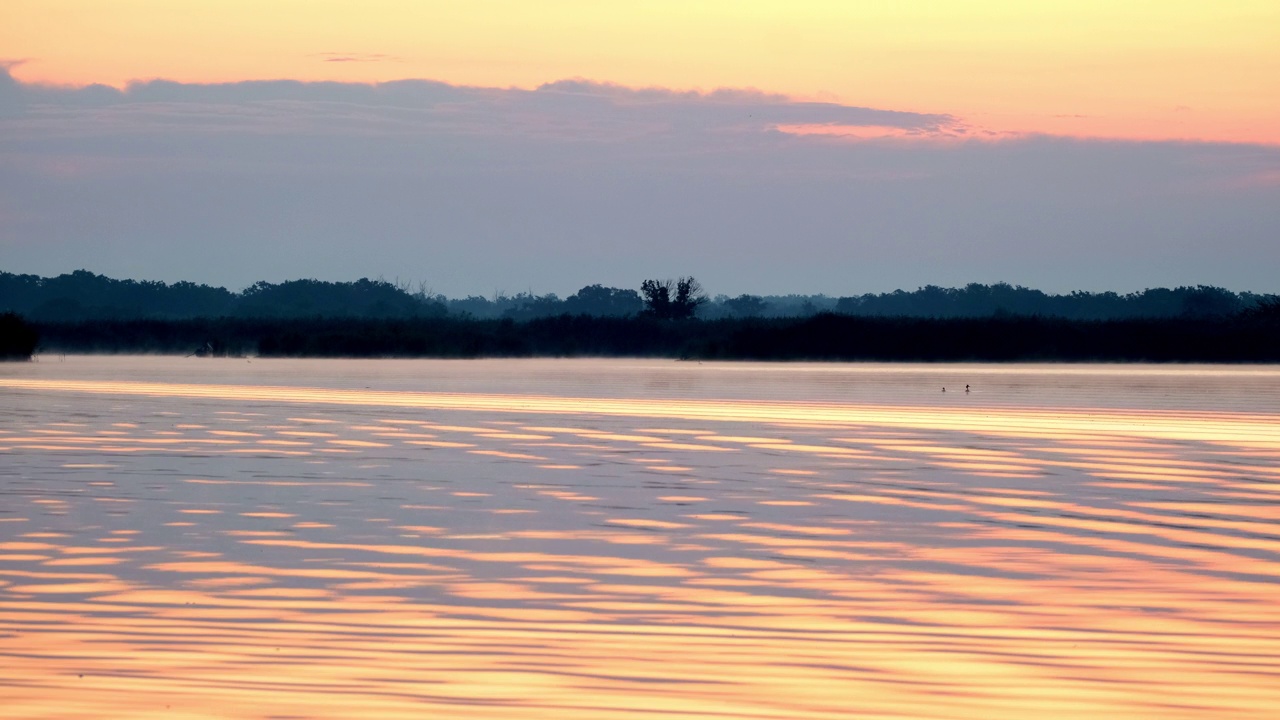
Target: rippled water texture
[(626, 539)]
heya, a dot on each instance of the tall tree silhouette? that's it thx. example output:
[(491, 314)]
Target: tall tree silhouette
[(659, 302)]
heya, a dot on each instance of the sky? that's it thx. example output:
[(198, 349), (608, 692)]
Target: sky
[(765, 147)]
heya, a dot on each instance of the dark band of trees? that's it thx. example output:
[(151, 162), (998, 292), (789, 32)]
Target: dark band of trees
[(1248, 337), (309, 318), (83, 295)]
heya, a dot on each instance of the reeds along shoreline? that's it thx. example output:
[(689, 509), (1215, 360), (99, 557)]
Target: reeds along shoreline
[(1245, 337)]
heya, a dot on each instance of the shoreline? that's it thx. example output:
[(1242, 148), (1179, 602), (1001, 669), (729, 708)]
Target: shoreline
[(1239, 339)]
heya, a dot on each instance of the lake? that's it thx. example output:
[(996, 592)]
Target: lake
[(637, 539)]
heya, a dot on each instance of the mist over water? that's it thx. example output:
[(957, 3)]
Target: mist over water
[(628, 539)]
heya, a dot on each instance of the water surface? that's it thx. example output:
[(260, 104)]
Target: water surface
[(637, 539)]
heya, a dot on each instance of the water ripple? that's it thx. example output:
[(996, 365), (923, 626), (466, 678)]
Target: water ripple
[(203, 550)]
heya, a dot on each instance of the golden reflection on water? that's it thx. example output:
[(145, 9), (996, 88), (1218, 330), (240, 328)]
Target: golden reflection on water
[(189, 550)]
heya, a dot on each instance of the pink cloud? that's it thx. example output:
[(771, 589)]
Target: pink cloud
[(942, 133)]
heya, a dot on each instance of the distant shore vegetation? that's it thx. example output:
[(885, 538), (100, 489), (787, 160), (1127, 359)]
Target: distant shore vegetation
[(83, 295), (84, 312), (18, 339)]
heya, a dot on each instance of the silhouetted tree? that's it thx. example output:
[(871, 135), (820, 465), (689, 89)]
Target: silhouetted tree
[(317, 298), (657, 297), (660, 303), (603, 301), (1266, 309), (1206, 301), (746, 305), (527, 306), (689, 297), (473, 306)]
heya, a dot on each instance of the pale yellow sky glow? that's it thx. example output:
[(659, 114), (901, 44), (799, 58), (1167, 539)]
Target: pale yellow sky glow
[(1138, 70)]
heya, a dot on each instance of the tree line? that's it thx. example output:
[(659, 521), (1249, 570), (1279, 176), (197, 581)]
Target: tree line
[(666, 318), (83, 295)]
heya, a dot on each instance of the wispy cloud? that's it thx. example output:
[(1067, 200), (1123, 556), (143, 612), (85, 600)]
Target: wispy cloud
[(355, 57), (567, 107)]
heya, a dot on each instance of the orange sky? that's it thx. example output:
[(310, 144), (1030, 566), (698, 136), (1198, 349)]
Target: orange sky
[(1146, 70)]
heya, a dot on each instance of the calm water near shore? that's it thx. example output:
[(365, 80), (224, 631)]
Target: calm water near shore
[(637, 539)]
